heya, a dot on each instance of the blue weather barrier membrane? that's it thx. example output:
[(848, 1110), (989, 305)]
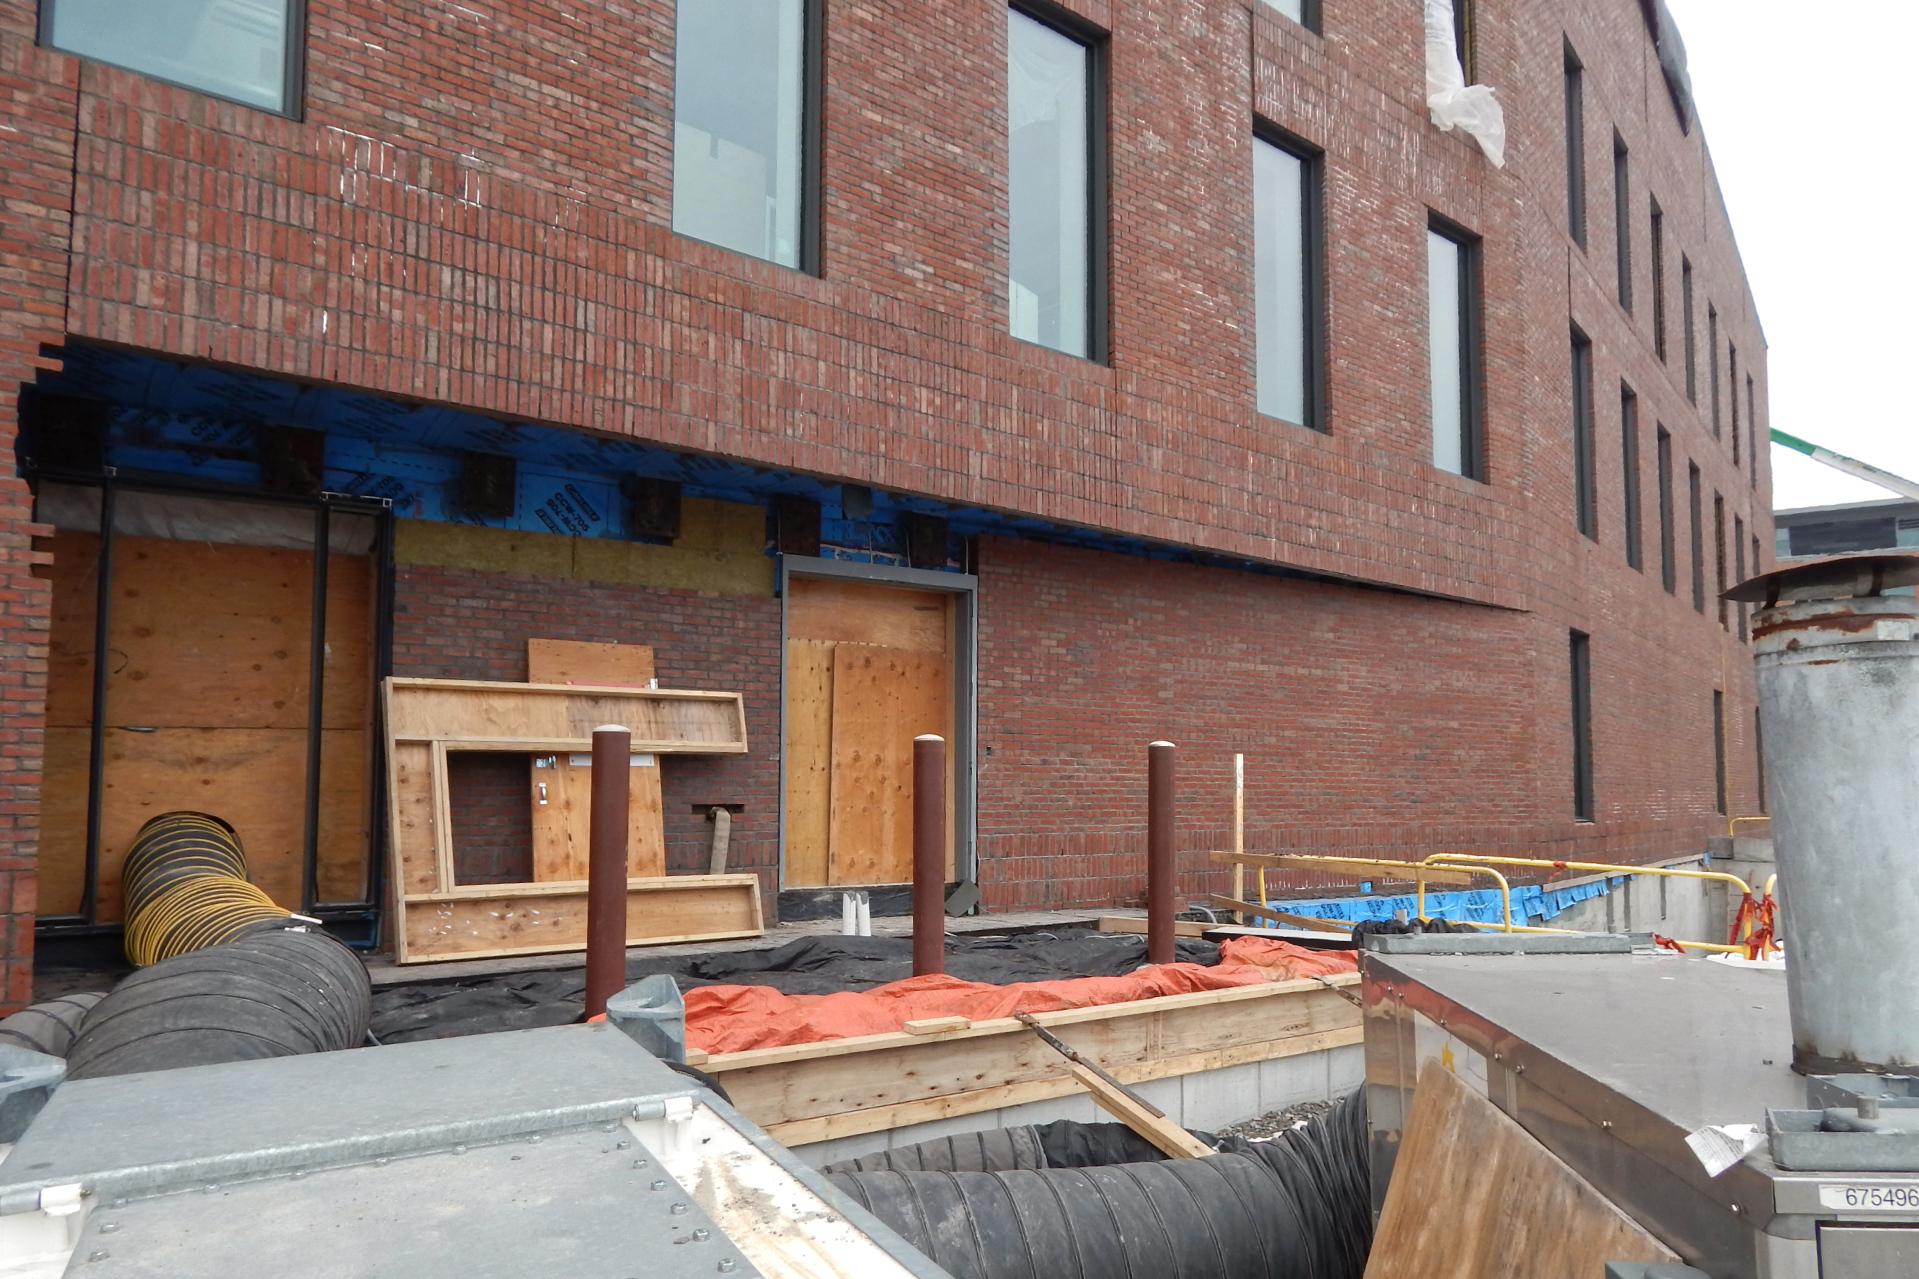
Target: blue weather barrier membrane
[(1531, 902)]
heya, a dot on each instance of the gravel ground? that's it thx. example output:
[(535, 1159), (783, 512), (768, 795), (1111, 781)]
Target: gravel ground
[(1275, 1122)]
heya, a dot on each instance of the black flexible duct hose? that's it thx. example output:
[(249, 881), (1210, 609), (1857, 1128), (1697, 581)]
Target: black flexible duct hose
[(49, 1027), (1065, 1143), (271, 994), (1296, 1207)]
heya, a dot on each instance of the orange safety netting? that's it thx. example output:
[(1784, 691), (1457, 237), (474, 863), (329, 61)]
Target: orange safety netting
[(727, 1019)]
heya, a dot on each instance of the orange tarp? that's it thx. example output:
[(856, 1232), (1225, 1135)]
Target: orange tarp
[(729, 1019)]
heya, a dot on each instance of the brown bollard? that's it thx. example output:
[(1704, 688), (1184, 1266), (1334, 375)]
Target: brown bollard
[(929, 855), (1160, 869), (606, 868)]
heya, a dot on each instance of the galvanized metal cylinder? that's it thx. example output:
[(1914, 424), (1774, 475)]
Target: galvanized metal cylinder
[(1839, 710)]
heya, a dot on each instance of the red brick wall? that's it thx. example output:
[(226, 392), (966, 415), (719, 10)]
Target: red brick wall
[(453, 623)]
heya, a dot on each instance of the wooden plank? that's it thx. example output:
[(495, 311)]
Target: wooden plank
[(556, 661), (562, 827), (918, 1068), (1475, 1194), (540, 919), (444, 875), (1127, 924), (935, 1025), (413, 817), (854, 1123), (821, 608), (1173, 1141), (662, 721), (1281, 917), (882, 699), (809, 761), (1352, 867)]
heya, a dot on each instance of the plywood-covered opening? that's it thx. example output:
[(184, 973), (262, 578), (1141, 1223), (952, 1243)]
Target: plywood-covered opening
[(869, 666), (205, 697)]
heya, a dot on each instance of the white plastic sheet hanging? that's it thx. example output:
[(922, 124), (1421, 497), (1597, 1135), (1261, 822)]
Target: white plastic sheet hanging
[(1458, 107)]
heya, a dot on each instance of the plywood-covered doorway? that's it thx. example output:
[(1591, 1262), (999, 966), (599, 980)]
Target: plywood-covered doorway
[(869, 666), (206, 698)]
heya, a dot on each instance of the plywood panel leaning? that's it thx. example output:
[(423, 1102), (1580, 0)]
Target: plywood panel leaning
[(882, 699), (809, 760), (1474, 1196)]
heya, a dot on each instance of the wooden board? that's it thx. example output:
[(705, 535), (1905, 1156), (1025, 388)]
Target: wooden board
[(1353, 867), (1309, 922), (563, 817), (1173, 1141), (882, 699), (1128, 924), (532, 919), (809, 761), (844, 1087), (1474, 1196), (562, 716), (553, 661), (820, 608)]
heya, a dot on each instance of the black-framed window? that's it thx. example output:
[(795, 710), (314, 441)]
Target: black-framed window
[(1758, 754), (1668, 552), (1712, 363), (1732, 375), (1692, 343), (1719, 750), (1656, 246), (1696, 501), (1752, 435), (1463, 40), (745, 155), (1055, 113), (1582, 725), (248, 51), (1622, 218), (1575, 147), (1453, 347), (1739, 567), (1719, 555), (1304, 12), (1629, 469), (1289, 278), (1585, 492)]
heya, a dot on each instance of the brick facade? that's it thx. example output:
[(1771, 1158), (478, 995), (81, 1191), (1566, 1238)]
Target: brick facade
[(474, 210)]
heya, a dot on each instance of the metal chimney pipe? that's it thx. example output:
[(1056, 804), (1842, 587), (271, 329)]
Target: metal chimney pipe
[(606, 867), (1160, 868), (929, 854), (1839, 710)]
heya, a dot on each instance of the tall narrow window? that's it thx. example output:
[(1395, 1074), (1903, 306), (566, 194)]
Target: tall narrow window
[(1629, 465), (1759, 755), (1622, 219), (1692, 345), (1719, 749), (1452, 328), (1656, 245), (1697, 504), (1752, 438), (1732, 365), (1668, 566), (1575, 149), (1286, 327), (1050, 85), (739, 121), (245, 50), (1304, 12), (1582, 725), (1719, 555), (1712, 363), (1463, 39), (1585, 498), (1739, 567)]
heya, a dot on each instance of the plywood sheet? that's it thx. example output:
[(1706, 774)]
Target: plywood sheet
[(530, 921), (1474, 1196), (553, 661), (882, 699), (809, 761), (563, 818), (820, 608), (410, 797), (254, 778), (672, 721)]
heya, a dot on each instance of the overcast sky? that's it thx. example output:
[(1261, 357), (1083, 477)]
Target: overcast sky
[(1809, 124)]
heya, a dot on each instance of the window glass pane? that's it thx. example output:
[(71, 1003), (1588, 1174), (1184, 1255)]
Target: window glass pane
[(737, 111), (1279, 258), (1443, 271), (1046, 90), (1294, 9), (233, 48)]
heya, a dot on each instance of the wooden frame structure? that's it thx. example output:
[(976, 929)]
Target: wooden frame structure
[(439, 918), (869, 1083)]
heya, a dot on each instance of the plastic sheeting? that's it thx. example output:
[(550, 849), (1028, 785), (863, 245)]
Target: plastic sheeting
[(1458, 107), (191, 518), (1480, 905)]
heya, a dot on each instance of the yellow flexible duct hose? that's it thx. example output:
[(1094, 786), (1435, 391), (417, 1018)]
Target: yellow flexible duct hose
[(186, 887)]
